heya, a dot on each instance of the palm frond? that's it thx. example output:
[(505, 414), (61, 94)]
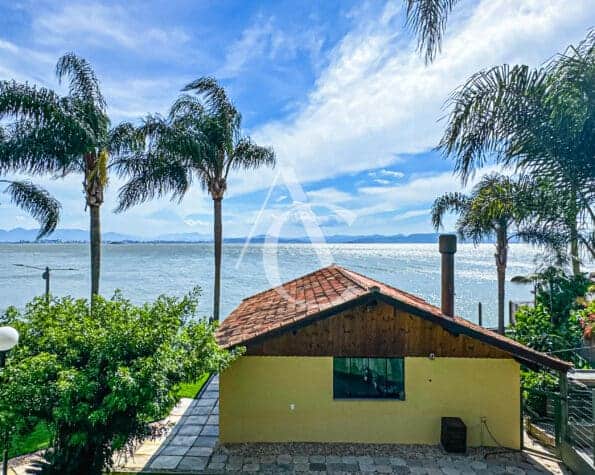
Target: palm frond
[(428, 20), (454, 202), (82, 81), (218, 104), (37, 202), (154, 177), (248, 155), (41, 149)]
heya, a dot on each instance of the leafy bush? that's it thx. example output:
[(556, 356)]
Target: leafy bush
[(586, 317), (560, 293), (98, 380), (535, 328)]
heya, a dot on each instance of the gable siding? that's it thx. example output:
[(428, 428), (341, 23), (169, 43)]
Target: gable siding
[(381, 331)]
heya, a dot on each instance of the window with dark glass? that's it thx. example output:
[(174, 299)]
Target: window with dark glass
[(368, 378)]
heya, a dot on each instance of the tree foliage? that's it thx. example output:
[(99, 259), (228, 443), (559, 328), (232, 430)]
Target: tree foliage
[(37, 202), (540, 121), (99, 380)]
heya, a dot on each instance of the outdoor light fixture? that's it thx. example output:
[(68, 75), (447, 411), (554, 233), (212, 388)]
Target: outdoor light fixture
[(9, 338)]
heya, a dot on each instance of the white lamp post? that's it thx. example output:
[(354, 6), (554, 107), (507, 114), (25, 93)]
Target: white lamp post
[(9, 338)]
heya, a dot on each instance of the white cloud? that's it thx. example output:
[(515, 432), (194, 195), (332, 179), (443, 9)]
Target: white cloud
[(392, 173), (378, 99), (414, 213), (102, 25)]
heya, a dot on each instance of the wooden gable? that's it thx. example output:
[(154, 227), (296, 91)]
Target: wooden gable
[(382, 330)]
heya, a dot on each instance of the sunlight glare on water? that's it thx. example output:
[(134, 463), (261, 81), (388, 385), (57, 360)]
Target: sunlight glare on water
[(143, 271)]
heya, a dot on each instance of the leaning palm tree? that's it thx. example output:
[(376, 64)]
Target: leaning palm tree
[(540, 121), (37, 202), (57, 135), (200, 139), (494, 208)]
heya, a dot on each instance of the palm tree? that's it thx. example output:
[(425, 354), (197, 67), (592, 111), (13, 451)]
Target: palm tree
[(37, 202), (62, 135), (200, 140), (495, 207), (540, 121)]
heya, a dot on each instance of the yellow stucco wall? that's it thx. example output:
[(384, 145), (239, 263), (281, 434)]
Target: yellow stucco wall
[(256, 394)]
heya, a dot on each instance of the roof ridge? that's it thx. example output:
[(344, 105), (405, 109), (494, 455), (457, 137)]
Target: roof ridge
[(348, 274), (409, 294), (332, 265)]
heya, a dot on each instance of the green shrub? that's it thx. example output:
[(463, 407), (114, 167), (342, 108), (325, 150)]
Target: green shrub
[(535, 328), (98, 379)]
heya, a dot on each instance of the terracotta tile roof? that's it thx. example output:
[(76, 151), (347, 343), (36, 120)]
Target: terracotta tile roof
[(331, 286)]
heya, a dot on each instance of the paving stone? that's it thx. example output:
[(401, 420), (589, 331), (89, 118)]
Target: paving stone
[(317, 466), (214, 420), (284, 459), (216, 466), (397, 462), (199, 420), (300, 459), (342, 467), (251, 467), (193, 463), (167, 462), (384, 469), (190, 429), (401, 469), (301, 467), (219, 458), (205, 402), (210, 394), (514, 470), (205, 441), (317, 459), (200, 451), (332, 459), (381, 460), (174, 450), (210, 431), (187, 440), (349, 459), (365, 460), (478, 465), (201, 411)]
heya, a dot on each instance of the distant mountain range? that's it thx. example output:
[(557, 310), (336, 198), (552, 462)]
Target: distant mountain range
[(80, 235)]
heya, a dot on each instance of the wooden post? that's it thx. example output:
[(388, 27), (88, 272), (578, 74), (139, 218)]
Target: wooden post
[(479, 315), (563, 406), (510, 316), (46, 277)]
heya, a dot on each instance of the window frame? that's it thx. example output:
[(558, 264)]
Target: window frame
[(368, 365)]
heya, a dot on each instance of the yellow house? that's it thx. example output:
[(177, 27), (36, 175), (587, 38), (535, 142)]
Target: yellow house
[(335, 356)]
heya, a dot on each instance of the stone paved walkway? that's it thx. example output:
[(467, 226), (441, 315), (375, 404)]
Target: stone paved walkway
[(190, 444)]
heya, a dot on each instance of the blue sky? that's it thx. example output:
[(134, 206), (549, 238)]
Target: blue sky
[(336, 87)]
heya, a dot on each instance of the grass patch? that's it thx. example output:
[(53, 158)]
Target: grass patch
[(192, 389), (36, 440), (40, 437)]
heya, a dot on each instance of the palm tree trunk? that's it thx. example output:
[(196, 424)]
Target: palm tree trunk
[(501, 261), (218, 236), (574, 253), (95, 245)]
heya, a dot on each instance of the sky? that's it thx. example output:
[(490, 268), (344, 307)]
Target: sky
[(337, 88)]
